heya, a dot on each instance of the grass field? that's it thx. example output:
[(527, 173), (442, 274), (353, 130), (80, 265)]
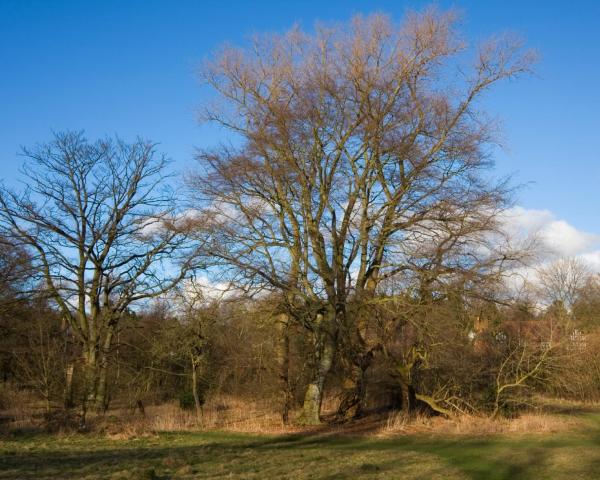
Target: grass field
[(567, 455)]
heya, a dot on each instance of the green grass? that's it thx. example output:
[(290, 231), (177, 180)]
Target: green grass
[(571, 455)]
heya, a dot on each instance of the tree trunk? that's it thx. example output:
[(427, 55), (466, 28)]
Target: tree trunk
[(409, 399), (90, 372), (101, 400), (360, 355), (283, 357), (353, 399), (324, 352), (197, 402), (408, 374), (101, 394), (69, 386)]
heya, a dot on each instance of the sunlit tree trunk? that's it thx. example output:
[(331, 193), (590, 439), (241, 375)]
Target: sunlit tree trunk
[(324, 351), (197, 402), (101, 398), (90, 372), (283, 358)]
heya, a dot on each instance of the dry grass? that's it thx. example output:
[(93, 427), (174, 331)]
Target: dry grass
[(472, 425), (223, 413), (220, 413), (232, 414), (22, 410)]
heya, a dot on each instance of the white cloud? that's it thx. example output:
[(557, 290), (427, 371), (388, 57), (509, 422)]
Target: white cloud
[(553, 238), (565, 240), (592, 259), (556, 237), (519, 219)]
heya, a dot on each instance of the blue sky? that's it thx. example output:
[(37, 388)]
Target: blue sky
[(128, 67)]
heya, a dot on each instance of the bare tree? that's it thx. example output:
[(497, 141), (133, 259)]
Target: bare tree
[(357, 147), (102, 229), (562, 281), (197, 315), (523, 364)]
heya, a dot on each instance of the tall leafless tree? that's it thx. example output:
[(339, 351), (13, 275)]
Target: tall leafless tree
[(359, 154), (103, 231)]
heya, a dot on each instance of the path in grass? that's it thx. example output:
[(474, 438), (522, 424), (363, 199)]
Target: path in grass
[(572, 455)]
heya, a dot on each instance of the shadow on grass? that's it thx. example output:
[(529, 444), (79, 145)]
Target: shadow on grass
[(207, 455)]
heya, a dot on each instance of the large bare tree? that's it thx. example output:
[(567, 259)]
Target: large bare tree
[(103, 231), (358, 153)]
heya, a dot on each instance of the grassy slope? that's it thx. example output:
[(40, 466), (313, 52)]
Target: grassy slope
[(574, 455)]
